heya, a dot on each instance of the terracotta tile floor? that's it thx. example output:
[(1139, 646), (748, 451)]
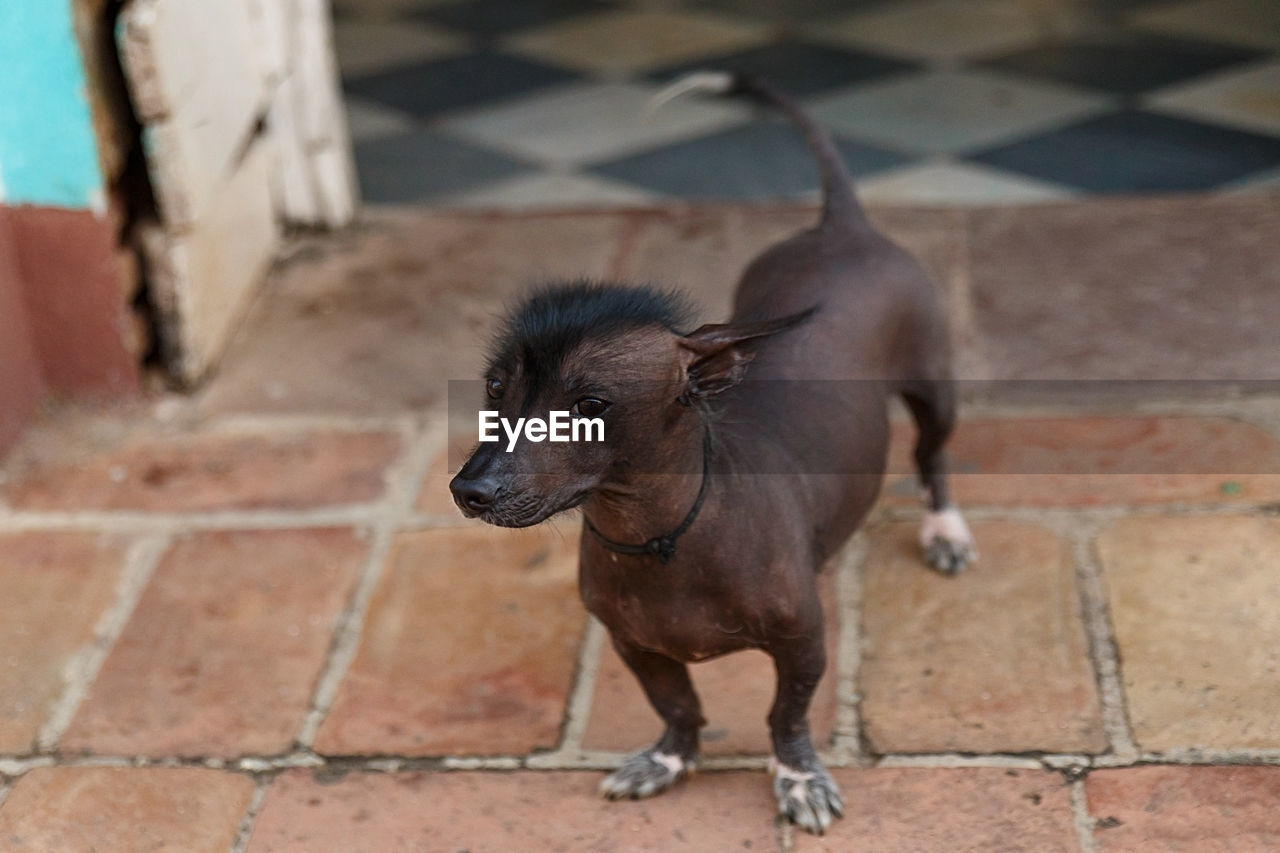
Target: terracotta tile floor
[(250, 620)]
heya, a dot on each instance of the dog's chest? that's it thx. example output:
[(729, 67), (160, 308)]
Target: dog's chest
[(686, 621)]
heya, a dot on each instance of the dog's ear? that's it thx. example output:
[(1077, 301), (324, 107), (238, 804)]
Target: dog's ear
[(715, 357)]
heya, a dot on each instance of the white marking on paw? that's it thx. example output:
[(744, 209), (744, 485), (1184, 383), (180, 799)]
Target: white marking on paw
[(946, 524), (673, 763), (790, 774)]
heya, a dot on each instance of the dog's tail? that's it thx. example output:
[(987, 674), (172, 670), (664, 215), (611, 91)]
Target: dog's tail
[(839, 204)]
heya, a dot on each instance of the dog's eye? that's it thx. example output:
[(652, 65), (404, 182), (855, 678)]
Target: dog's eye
[(494, 389), (590, 407)]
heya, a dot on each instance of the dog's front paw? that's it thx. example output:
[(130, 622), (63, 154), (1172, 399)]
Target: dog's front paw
[(947, 542), (807, 798), (645, 774)]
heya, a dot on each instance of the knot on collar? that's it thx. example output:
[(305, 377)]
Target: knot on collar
[(663, 546)]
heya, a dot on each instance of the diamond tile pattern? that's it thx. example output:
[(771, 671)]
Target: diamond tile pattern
[(1137, 152), (1247, 98), (593, 122), (935, 30), (636, 41), (1268, 181), (412, 167), (949, 111), (762, 159), (515, 103), (366, 47), (462, 81), (488, 17), (1126, 64), (1254, 23), (378, 10), (371, 120), (800, 68), (957, 183), (786, 11)]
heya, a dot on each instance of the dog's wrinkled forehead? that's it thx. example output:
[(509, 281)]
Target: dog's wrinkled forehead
[(543, 332)]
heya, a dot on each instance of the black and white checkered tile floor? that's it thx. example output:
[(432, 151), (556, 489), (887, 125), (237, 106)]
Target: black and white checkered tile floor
[(521, 103)]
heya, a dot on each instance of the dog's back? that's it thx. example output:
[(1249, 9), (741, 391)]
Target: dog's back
[(878, 330)]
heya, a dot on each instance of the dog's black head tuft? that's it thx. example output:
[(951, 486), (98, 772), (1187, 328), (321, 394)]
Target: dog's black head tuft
[(548, 325)]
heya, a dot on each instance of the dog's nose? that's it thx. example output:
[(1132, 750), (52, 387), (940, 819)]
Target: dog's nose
[(474, 497)]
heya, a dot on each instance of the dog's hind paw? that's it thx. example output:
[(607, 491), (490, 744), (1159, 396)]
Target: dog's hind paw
[(807, 798), (947, 542), (644, 774)]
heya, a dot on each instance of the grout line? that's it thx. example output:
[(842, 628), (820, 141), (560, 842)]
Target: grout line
[(346, 637), (367, 514), (241, 841), (847, 745), (965, 334), (955, 760), (13, 767), (396, 765), (599, 759), (297, 758), (578, 712), (505, 762), (1255, 409), (1081, 819), (1228, 402), (586, 759), (1071, 763), (290, 423), (146, 522), (140, 564), (734, 762), (422, 443), (1066, 516), (592, 759), (1214, 757), (1103, 650), (1258, 411)]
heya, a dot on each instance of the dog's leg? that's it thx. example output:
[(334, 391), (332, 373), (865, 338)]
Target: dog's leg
[(806, 793), (653, 770), (947, 542)]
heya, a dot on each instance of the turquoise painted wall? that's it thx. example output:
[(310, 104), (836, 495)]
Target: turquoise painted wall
[(48, 154)]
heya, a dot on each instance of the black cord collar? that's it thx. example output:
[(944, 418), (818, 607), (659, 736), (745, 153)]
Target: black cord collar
[(664, 546)]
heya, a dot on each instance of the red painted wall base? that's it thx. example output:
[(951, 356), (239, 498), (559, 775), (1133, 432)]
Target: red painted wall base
[(20, 382), (66, 327)]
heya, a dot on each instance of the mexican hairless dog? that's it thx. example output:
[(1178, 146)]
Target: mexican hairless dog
[(712, 501)]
